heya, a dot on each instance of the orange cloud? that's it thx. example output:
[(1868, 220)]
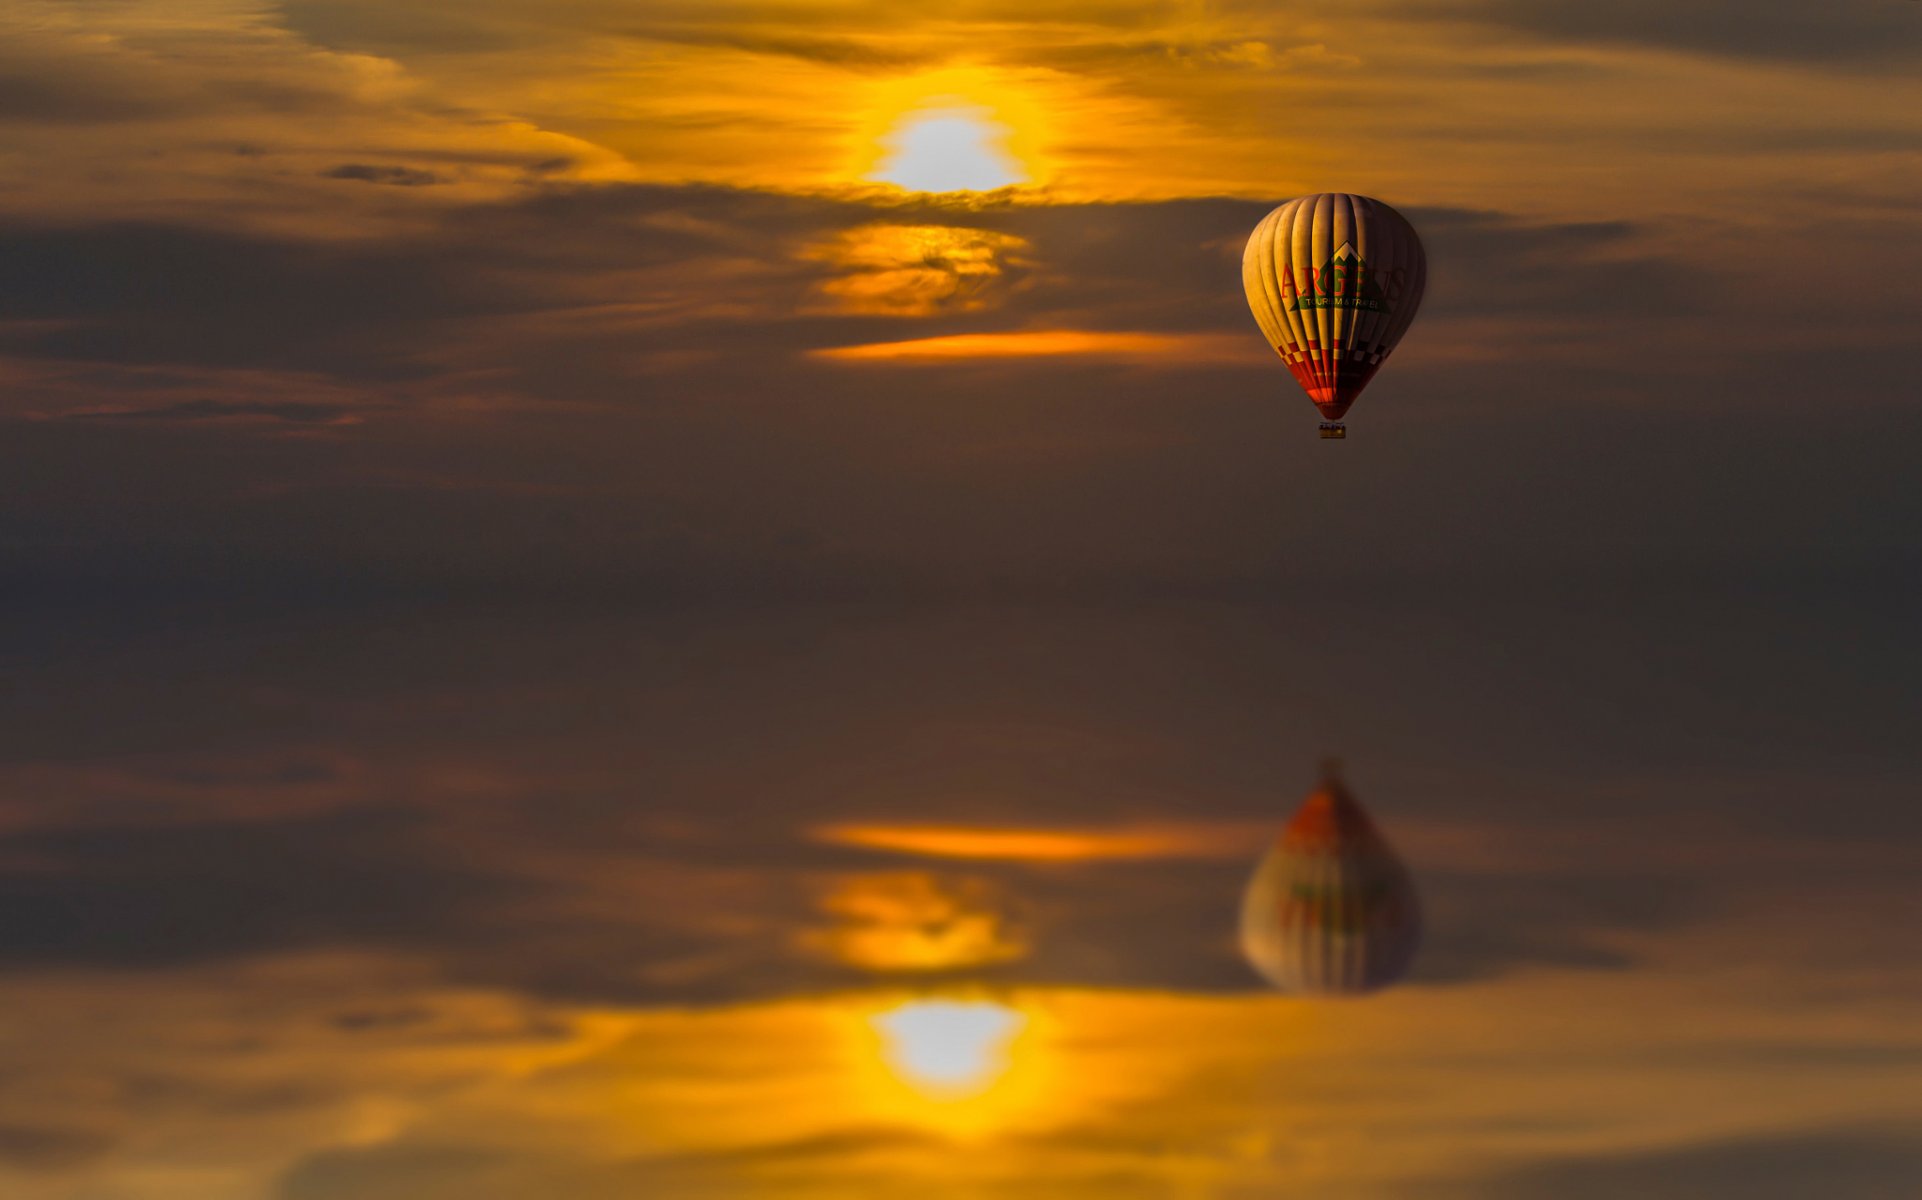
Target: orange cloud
[(1209, 841), (915, 270), (1171, 349), (914, 921)]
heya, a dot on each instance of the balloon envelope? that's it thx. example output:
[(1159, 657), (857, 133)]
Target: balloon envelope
[(1331, 910), (1334, 280)]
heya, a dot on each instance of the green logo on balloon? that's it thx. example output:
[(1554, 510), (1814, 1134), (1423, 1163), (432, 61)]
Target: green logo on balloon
[(1344, 281)]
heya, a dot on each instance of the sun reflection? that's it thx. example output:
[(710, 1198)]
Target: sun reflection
[(961, 1067), (949, 1048)]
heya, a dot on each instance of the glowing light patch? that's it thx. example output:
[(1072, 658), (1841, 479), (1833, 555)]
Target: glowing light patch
[(949, 150), (948, 1048), (1165, 348), (891, 269), (1219, 840), (915, 921), (964, 1066)]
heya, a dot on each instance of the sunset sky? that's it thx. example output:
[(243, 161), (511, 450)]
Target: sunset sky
[(690, 600)]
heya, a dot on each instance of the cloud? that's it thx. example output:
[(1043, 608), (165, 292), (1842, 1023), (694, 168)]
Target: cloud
[(393, 176), (1136, 1093), (288, 412), (853, 52), (1788, 1166), (32, 93), (1462, 103), (420, 1171), (918, 270), (215, 115), (1857, 32), (146, 897), (50, 1147), (434, 1172), (916, 921), (166, 296), (1163, 350), (1051, 845)]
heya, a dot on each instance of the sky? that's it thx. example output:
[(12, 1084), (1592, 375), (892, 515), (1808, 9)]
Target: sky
[(717, 600)]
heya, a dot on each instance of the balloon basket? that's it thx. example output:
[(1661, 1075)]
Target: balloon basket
[(1331, 429)]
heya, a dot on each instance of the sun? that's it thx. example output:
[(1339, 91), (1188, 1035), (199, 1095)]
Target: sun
[(955, 149)]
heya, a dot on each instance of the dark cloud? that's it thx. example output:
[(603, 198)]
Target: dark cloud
[(369, 310), (378, 876), (854, 37), (421, 1172), (1483, 264), (1848, 33), (1862, 1165), (149, 294), (388, 30), (50, 1147), (1858, 31), (391, 175), (293, 413), (1791, 1166), (59, 74), (1486, 923), (1851, 32), (147, 896), (428, 1171), (851, 52), (31, 93)]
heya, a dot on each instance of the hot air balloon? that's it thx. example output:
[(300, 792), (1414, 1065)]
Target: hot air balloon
[(1331, 910), (1334, 280)]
